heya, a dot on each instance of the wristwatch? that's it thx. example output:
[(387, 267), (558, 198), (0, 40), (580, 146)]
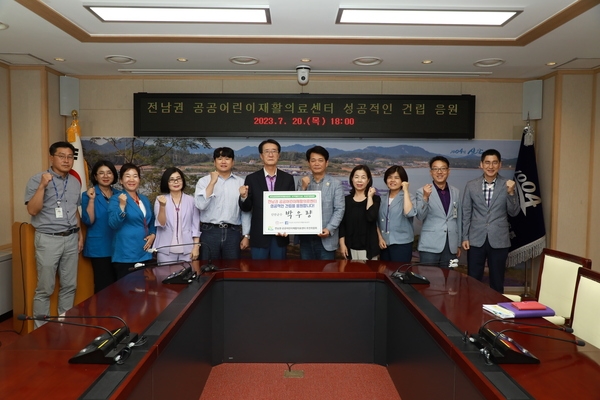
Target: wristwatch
[(247, 237)]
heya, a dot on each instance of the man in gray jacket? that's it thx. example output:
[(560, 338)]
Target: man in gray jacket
[(487, 202), (439, 207), (323, 245)]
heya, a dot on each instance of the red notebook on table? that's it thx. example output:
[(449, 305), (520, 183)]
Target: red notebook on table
[(528, 305)]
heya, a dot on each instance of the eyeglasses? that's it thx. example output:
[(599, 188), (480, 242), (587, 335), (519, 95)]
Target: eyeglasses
[(488, 163), (439, 169), (107, 173), (270, 151), (63, 157), (175, 180)]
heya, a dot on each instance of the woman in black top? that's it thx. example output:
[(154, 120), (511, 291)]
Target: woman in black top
[(358, 230)]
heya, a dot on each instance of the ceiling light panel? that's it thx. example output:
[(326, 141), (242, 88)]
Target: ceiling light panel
[(258, 15), (425, 17)]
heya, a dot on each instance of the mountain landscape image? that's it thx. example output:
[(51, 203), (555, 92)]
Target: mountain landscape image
[(194, 157)]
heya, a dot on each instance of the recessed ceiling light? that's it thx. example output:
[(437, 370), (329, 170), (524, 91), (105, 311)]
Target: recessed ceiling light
[(489, 62), (551, 63), (367, 61), (120, 59), (250, 15), (426, 62), (59, 59), (244, 60), (425, 17), (3, 26), (305, 60), (181, 59)]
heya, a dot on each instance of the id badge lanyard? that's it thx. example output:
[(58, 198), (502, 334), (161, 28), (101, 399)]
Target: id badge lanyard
[(58, 211)]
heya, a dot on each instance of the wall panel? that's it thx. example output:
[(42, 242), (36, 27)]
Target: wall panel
[(30, 141), (574, 168), (6, 198)]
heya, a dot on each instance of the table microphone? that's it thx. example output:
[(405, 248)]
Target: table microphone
[(156, 249), (510, 352), (412, 278), (185, 275), (155, 264), (45, 318), (121, 335), (104, 349)]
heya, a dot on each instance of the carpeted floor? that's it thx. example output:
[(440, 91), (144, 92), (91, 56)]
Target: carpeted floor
[(320, 382)]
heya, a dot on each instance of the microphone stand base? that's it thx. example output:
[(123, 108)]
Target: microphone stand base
[(102, 350), (185, 276), (504, 350), (411, 278)]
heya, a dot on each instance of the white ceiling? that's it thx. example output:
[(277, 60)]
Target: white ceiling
[(545, 30)]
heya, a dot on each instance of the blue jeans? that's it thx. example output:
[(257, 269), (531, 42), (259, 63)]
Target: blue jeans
[(440, 259), (398, 253), (272, 252), (220, 243), (311, 248)]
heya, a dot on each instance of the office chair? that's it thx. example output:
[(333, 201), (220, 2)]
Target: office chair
[(556, 282), (584, 316)]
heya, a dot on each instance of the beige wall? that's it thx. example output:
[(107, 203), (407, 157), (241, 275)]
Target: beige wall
[(592, 243), (106, 104), (28, 131), (6, 181), (565, 137), (35, 123), (573, 137)]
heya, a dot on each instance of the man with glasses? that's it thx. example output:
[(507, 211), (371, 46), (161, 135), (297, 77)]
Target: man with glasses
[(52, 198), (487, 202), (269, 178), (439, 207)]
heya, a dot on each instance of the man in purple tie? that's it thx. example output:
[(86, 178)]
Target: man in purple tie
[(269, 178)]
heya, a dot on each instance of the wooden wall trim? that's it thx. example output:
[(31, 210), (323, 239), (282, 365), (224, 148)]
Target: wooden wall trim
[(572, 11)]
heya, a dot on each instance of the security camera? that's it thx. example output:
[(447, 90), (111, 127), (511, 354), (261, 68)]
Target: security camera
[(303, 74)]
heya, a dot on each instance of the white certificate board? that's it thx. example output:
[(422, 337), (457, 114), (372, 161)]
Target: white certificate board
[(293, 213)]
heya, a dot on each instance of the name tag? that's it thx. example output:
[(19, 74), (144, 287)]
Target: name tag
[(58, 212)]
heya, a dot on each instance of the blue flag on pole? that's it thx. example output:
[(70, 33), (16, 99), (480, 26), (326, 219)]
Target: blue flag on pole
[(527, 230)]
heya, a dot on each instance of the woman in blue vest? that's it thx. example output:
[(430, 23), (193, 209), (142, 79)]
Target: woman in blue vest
[(94, 214)]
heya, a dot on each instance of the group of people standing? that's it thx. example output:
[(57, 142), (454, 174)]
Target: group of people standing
[(225, 216)]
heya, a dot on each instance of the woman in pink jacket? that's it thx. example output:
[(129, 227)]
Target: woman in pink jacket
[(177, 220)]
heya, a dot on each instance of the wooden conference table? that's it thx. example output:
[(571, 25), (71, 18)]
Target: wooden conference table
[(295, 312)]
